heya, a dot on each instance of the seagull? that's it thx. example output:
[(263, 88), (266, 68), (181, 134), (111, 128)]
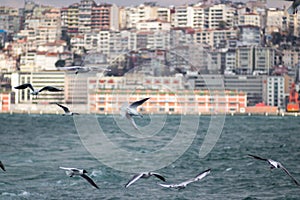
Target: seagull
[(275, 164), (144, 175), (36, 92), (66, 109), (2, 166), (82, 69), (131, 110), (80, 172), (185, 183), (293, 9)]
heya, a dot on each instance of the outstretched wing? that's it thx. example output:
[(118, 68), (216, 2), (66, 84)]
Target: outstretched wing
[(63, 107), (167, 185), (158, 176), (24, 86), (51, 89), (86, 177), (202, 175), (133, 179), (257, 157), (2, 166), (138, 103), (288, 173)]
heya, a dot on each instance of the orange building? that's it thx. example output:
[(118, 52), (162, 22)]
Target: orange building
[(5, 102), (180, 102)]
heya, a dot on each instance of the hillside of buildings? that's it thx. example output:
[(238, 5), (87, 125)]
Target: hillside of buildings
[(230, 54)]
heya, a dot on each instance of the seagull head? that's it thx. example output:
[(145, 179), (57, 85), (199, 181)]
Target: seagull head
[(84, 171)]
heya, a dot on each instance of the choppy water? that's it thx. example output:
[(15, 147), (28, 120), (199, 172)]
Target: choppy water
[(34, 146)]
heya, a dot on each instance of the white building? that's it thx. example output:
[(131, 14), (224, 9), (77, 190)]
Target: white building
[(153, 25), (275, 91), (38, 80)]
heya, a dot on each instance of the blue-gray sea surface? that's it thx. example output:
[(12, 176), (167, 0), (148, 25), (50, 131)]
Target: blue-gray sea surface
[(34, 146)]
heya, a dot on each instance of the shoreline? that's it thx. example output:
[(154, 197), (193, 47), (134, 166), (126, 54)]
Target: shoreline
[(42, 112)]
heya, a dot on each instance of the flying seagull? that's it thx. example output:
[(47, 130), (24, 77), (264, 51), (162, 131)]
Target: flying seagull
[(131, 111), (275, 164), (2, 166), (79, 172), (185, 183), (293, 9), (36, 92), (144, 175), (82, 69), (66, 109)]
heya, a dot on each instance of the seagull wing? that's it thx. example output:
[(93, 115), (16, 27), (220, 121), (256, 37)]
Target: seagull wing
[(64, 108), (2, 166), (133, 179), (158, 176), (66, 168), (202, 175), (257, 157), (86, 177), (288, 173), (24, 86), (51, 89), (132, 121), (138, 103), (168, 185)]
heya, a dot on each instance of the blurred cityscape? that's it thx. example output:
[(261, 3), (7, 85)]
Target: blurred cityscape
[(211, 56)]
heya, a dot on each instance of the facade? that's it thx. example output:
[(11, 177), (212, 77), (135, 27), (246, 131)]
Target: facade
[(275, 91), (180, 102), (253, 86)]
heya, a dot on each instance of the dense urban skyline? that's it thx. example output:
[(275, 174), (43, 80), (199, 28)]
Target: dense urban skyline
[(59, 3)]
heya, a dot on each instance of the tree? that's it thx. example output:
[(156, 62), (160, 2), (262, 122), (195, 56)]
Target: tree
[(60, 63)]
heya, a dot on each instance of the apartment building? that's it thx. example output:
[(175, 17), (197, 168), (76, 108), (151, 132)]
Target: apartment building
[(153, 25), (291, 57), (69, 19), (215, 38), (147, 11), (276, 20), (254, 58), (275, 91), (5, 104), (10, 19), (250, 19), (249, 35)]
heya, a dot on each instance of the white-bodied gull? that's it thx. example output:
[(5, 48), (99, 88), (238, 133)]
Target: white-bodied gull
[(293, 9), (79, 172), (275, 164), (2, 166), (182, 185), (36, 92), (144, 175), (131, 111), (83, 69), (66, 110)]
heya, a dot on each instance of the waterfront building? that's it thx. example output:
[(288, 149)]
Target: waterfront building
[(5, 99), (253, 86), (38, 80), (275, 91), (169, 102)]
